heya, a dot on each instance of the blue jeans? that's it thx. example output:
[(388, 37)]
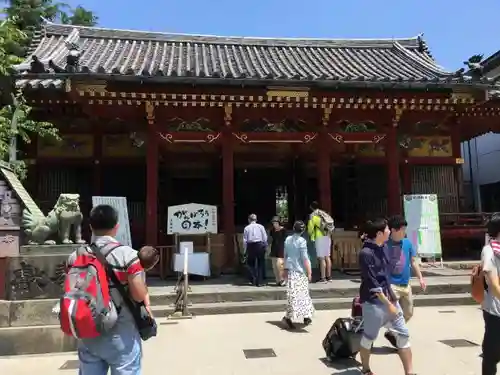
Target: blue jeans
[(120, 351)]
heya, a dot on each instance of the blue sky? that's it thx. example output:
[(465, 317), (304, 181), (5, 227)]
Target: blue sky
[(454, 29)]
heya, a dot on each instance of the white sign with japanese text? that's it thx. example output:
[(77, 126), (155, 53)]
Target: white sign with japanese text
[(422, 214), (192, 218)]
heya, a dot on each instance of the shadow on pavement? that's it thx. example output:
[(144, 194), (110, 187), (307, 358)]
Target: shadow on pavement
[(283, 327), (383, 350), (348, 366)]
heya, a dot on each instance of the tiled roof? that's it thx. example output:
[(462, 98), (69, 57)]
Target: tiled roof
[(173, 56)]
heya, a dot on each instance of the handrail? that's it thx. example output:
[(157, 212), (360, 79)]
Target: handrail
[(466, 213)]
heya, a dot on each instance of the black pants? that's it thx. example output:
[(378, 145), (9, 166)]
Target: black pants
[(491, 344), (256, 261)]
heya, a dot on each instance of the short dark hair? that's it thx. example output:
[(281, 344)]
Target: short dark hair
[(493, 225), (374, 226), (299, 226), (103, 217), (397, 222), (314, 205)]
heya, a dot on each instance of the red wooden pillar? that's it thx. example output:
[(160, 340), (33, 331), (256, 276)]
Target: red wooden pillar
[(323, 167), (228, 195), (406, 177), (393, 178), (457, 170), (151, 178)]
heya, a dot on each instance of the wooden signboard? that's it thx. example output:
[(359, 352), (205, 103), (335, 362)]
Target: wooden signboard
[(192, 218), (20, 191), (119, 204)]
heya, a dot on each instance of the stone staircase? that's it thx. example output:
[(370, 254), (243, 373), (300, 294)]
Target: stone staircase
[(30, 327)]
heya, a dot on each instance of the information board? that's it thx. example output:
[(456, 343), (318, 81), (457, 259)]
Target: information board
[(119, 204), (422, 215), (192, 218)]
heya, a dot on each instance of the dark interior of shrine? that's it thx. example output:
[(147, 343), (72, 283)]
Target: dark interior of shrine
[(285, 189)]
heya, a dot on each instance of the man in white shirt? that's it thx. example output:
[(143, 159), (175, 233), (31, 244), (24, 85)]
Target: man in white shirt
[(255, 244), (490, 258)]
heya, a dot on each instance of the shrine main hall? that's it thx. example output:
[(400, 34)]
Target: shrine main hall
[(250, 125)]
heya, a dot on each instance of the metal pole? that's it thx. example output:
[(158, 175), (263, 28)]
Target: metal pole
[(185, 311)]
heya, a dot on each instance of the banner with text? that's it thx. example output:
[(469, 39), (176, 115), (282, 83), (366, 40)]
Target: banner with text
[(422, 215), (192, 218)]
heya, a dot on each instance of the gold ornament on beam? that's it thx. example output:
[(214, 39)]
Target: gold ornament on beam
[(150, 111), (326, 116), (398, 113), (228, 114)]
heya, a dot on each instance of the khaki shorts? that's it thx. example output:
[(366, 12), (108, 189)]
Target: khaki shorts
[(405, 297)]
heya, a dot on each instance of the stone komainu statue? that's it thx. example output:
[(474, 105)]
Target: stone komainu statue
[(64, 217)]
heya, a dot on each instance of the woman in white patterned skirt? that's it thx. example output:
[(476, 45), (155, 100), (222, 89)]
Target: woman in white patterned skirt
[(298, 275)]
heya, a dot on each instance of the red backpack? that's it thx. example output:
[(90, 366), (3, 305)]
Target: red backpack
[(87, 309)]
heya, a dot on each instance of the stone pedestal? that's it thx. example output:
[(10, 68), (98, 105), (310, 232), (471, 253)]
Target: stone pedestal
[(9, 248), (38, 272)]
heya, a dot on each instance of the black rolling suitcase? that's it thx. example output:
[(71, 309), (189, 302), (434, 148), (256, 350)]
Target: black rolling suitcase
[(343, 339)]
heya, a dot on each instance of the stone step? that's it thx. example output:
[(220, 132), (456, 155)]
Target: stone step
[(34, 340), (42, 339), (39, 311), (270, 293), (244, 307)]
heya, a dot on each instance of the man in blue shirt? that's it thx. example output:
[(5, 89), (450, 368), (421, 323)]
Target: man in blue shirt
[(379, 304), (403, 259)]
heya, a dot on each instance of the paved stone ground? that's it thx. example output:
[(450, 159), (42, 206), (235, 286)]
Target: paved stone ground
[(213, 345)]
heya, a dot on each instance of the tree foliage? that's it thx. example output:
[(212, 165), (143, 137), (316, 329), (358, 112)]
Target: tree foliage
[(29, 15), (21, 19), (79, 16), (16, 121)]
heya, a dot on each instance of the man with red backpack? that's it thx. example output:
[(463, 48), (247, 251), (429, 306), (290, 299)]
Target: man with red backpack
[(92, 307)]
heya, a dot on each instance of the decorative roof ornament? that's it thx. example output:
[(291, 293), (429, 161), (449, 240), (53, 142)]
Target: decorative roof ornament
[(476, 69), (36, 66), (73, 58), (422, 45)]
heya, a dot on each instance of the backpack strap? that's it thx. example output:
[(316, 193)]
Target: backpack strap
[(112, 276)]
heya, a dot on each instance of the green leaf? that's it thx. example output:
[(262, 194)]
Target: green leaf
[(15, 119)]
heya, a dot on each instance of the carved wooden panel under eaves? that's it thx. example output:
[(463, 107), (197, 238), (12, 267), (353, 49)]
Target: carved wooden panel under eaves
[(70, 146), (422, 146), (124, 145), (264, 125), (178, 124)]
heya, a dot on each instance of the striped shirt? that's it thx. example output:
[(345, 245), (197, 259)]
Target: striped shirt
[(253, 233)]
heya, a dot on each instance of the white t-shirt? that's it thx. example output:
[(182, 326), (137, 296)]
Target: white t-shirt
[(491, 264)]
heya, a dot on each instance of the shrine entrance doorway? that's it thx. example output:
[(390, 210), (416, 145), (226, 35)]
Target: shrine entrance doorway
[(262, 191)]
